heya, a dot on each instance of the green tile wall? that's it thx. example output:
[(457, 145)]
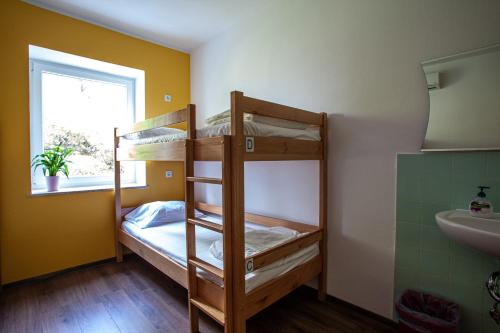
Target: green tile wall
[(425, 258)]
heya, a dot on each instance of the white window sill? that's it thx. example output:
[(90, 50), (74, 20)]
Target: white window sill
[(42, 192)]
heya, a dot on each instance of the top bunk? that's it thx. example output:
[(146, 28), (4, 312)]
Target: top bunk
[(263, 130)]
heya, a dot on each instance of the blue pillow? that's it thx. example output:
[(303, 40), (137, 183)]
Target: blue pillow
[(156, 213)]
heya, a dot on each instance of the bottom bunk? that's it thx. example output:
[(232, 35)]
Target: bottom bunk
[(164, 247), (170, 240)]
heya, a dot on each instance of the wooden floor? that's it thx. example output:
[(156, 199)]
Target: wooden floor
[(135, 297)]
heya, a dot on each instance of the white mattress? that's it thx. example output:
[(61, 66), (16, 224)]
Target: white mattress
[(170, 239), (251, 128)]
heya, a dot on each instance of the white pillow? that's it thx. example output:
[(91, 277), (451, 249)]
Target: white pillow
[(279, 122), (158, 212), (215, 119), (225, 117), (152, 133)]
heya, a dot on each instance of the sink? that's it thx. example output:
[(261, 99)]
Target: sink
[(483, 234)]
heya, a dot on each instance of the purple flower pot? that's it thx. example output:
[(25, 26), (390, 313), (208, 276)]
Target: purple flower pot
[(52, 183)]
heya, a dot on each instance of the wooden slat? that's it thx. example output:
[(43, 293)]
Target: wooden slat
[(282, 149), (265, 108), (280, 251), (268, 293), (209, 268), (208, 149), (212, 312), (208, 208), (260, 219), (206, 180), (207, 224), (166, 119), (166, 265), (166, 151), (266, 149), (275, 222)]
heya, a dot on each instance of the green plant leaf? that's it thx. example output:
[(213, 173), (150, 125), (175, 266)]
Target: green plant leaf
[(52, 161)]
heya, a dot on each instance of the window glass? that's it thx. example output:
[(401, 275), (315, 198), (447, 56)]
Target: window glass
[(80, 113)]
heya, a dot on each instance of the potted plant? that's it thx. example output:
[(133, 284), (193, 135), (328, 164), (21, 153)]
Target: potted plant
[(52, 161)]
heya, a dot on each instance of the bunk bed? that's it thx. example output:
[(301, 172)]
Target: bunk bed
[(222, 291)]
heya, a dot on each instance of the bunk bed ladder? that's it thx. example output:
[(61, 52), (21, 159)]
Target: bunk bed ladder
[(195, 264)]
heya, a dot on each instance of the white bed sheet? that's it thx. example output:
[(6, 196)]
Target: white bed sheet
[(251, 128), (260, 129), (170, 239), (153, 139)]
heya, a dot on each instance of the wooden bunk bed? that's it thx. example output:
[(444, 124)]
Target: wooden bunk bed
[(227, 302)]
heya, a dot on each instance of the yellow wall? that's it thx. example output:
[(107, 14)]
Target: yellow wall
[(39, 235)]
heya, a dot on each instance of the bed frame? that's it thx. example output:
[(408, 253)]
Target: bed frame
[(226, 302)]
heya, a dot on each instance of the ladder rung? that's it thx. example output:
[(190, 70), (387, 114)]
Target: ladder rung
[(207, 224), (204, 180), (214, 313), (207, 267)]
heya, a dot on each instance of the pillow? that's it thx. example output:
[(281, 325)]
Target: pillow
[(246, 117), (152, 133), (279, 122), (217, 118), (158, 212), (225, 117)]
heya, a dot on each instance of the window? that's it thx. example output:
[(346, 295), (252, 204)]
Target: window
[(78, 107)]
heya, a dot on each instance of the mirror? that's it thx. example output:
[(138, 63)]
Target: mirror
[(464, 96)]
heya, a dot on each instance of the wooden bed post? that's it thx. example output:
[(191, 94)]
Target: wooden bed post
[(323, 208), (227, 211), (190, 237), (190, 228), (191, 121), (118, 200), (238, 225)]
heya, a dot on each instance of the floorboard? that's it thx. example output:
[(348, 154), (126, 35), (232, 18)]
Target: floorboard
[(135, 297)]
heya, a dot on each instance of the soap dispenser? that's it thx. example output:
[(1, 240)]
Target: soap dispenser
[(479, 206)]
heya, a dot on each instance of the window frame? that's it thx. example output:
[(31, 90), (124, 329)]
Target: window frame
[(37, 68)]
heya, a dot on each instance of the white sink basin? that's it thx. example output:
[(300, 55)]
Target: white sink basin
[(482, 234)]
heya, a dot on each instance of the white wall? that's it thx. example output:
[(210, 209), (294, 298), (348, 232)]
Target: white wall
[(357, 60)]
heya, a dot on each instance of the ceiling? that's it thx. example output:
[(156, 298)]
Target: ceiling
[(180, 24)]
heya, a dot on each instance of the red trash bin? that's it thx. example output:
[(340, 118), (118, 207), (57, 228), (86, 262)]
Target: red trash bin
[(423, 313)]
